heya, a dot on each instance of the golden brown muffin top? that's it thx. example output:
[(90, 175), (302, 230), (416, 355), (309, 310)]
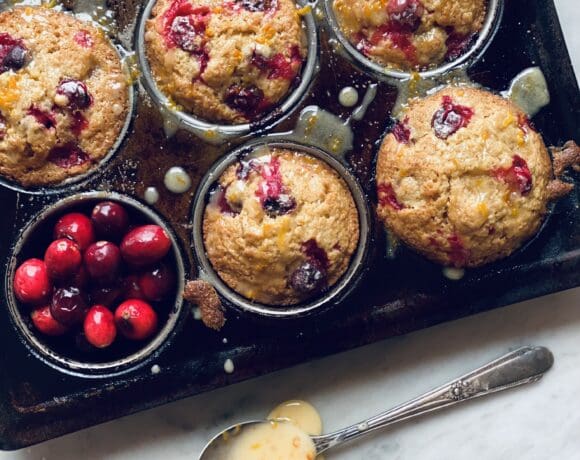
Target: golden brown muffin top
[(63, 95), (410, 34), (281, 227), (227, 61), (462, 177)]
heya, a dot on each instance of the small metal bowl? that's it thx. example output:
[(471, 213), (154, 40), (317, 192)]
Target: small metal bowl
[(347, 50), (136, 354), (218, 133), (335, 294), (74, 183)]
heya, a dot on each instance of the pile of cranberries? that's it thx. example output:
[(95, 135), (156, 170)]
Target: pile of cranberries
[(100, 279)]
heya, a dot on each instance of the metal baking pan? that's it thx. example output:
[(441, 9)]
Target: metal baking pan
[(395, 296)]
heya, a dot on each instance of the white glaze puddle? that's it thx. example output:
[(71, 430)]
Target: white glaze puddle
[(151, 195), (348, 96), (327, 131), (529, 90), (177, 180), (453, 274)]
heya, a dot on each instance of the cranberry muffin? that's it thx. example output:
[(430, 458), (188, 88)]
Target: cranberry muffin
[(280, 227), (462, 177), (226, 61), (410, 34), (63, 96)]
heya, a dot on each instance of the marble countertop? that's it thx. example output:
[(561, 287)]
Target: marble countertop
[(541, 421)]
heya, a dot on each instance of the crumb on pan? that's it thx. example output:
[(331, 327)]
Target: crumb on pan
[(566, 157), (205, 297)]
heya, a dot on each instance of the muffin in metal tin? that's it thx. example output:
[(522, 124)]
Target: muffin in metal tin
[(410, 34), (280, 227), (63, 96), (463, 177), (225, 61)]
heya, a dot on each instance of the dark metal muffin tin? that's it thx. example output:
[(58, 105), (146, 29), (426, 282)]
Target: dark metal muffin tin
[(396, 295)]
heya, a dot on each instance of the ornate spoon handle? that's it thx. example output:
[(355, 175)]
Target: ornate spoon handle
[(524, 365)]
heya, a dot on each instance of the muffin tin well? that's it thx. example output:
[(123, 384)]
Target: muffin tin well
[(386, 293)]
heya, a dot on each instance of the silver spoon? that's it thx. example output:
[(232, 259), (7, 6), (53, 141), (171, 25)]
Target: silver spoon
[(524, 365)]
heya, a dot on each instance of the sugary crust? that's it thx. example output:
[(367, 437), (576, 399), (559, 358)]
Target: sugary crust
[(256, 254), (416, 47), (55, 55), (232, 35), (454, 208)]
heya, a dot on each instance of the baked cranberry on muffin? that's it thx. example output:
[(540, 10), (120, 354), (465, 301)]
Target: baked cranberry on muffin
[(280, 227), (463, 177), (227, 61), (410, 34), (63, 96)]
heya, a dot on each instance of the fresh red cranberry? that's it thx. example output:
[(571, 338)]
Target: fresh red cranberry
[(450, 118), (406, 13), (45, 323), (257, 5), (145, 245), (103, 261), (402, 132), (388, 197), (31, 282), (62, 258), (279, 66), (458, 253), (315, 253), (457, 44), (84, 39), (248, 100), (76, 92), (157, 283), (68, 156), (518, 176), (110, 220), (43, 118), (99, 327), (108, 296), (77, 227), (132, 289), (68, 306), (308, 278), (13, 53), (136, 320)]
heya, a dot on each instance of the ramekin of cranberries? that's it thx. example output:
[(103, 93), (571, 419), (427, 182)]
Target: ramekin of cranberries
[(96, 282)]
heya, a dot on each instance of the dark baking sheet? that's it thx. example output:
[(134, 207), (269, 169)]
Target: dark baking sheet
[(38, 402)]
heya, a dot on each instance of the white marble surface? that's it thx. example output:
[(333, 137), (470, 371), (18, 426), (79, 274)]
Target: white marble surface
[(535, 422)]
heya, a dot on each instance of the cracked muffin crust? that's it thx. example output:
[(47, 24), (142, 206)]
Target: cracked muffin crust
[(463, 177), (410, 34), (228, 61), (63, 96), (280, 227)]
